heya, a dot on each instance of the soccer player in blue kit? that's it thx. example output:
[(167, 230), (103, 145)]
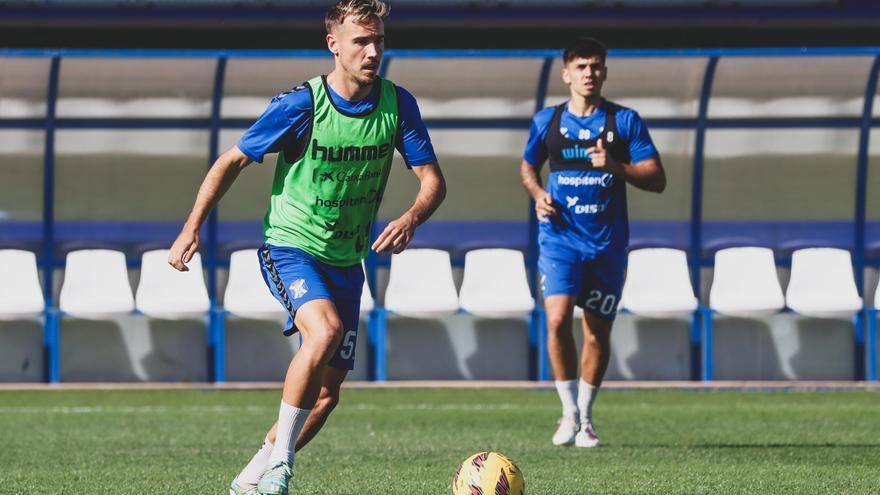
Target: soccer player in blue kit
[(594, 148), (335, 137)]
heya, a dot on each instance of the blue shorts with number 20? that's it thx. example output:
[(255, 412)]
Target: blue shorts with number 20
[(295, 277), (595, 281)]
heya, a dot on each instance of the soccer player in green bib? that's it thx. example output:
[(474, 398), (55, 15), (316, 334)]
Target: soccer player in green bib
[(335, 137)]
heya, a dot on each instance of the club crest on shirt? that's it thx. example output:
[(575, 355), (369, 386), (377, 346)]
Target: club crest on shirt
[(280, 96), (299, 288), (283, 94)]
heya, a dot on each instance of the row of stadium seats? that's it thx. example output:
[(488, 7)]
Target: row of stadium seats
[(657, 284), (745, 283), (96, 286), (421, 285)]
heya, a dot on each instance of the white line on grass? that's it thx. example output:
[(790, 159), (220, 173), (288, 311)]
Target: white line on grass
[(126, 409), (221, 409)]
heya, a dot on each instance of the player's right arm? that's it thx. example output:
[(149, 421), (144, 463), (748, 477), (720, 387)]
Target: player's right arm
[(531, 181), (220, 177), (535, 154), (281, 126)]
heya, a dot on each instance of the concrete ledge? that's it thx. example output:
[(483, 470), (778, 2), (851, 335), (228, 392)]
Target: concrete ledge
[(471, 384)]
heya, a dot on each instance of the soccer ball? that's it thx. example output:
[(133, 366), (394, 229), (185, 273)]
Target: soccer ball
[(488, 473)]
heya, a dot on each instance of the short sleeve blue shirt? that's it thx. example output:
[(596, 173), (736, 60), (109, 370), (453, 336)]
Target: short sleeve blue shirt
[(592, 206), (285, 124), (630, 125)]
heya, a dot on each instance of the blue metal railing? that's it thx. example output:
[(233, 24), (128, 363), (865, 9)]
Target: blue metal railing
[(539, 364), (697, 338)]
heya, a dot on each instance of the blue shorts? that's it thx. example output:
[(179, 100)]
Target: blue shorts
[(295, 277), (595, 281)]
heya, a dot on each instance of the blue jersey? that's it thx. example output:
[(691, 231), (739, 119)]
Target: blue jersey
[(591, 204), (286, 122)]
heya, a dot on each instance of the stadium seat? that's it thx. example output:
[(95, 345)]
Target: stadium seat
[(246, 293), (20, 293), (877, 296), (420, 284), (96, 285), (495, 284), (745, 283), (367, 301), (823, 284), (166, 293), (871, 337), (658, 284)]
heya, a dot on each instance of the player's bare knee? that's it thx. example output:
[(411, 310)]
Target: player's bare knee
[(328, 336), (556, 323), (590, 337), (597, 338), (556, 320), (602, 336)]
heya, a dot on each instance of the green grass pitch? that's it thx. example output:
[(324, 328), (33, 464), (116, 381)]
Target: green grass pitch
[(396, 441)]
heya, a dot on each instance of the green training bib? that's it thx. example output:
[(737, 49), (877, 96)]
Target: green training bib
[(325, 201)]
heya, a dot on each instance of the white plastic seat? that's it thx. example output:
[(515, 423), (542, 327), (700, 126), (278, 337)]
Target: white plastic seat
[(20, 293), (877, 296), (823, 284), (745, 283), (420, 284), (246, 293), (367, 301), (495, 284), (164, 292), (658, 284), (96, 285)]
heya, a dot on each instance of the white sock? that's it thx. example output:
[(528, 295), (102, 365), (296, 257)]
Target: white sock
[(250, 475), (290, 422), (567, 390), (586, 395)]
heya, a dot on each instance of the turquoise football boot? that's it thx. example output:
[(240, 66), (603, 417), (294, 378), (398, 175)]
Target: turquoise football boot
[(275, 480)]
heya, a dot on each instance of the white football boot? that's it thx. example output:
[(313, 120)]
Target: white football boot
[(587, 436), (238, 489), (568, 429)]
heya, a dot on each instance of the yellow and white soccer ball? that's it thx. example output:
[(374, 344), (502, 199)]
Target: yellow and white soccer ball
[(488, 473)]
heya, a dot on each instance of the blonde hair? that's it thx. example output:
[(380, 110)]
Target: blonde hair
[(361, 10)]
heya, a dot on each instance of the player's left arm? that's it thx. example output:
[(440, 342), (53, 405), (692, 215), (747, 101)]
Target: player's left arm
[(414, 145), (646, 171), (432, 190)]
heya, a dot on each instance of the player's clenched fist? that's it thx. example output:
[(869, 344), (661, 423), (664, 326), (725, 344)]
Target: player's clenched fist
[(183, 249), (544, 206)]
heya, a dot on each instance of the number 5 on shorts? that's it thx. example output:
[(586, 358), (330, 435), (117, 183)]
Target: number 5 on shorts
[(347, 346)]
